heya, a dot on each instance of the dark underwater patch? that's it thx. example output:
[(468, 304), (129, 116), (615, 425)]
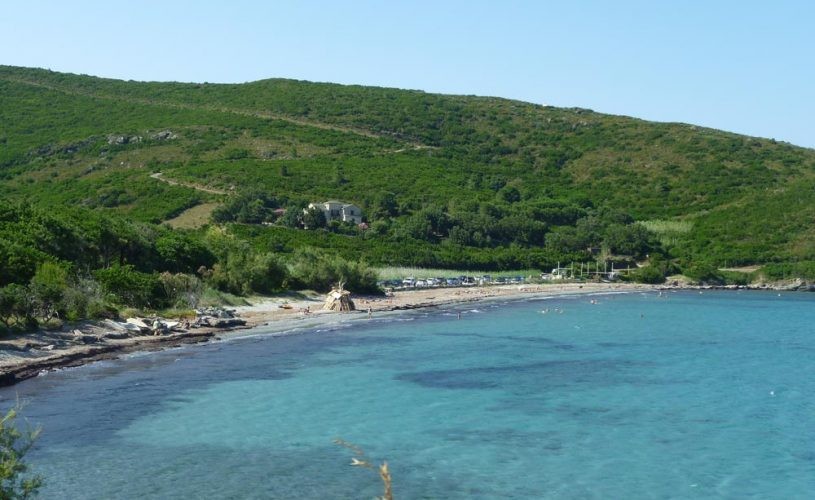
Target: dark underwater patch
[(525, 377)]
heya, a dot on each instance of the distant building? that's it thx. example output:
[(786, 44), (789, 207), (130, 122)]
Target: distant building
[(338, 210)]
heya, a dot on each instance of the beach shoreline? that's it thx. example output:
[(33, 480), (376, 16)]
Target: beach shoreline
[(279, 314)]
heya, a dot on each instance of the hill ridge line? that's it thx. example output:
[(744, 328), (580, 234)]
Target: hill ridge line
[(242, 112)]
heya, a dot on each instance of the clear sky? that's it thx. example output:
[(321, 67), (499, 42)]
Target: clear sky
[(744, 66)]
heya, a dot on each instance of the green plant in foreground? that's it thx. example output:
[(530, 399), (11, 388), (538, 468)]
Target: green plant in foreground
[(14, 444)]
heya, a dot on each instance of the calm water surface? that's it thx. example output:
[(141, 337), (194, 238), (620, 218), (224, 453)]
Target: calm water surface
[(637, 396)]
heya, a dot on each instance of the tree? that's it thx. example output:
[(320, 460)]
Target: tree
[(704, 273), (84, 299), (430, 224), (314, 219), (17, 303), (182, 290), (266, 273), (10, 297), (385, 206), (317, 270), (242, 271), (131, 287), (510, 194), (48, 288), (18, 261), (292, 218), (14, 444), (339, 176), (180, 252), (631, 239), (649, 274), (252, 207)]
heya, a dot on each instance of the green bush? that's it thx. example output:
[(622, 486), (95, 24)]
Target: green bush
[(778, 271), (252, 207), (182, 290), (704, 273), (11, 297), (180, 252), (736, 278), (48, 288), (132, 288), (648, 274), (18, 307), (245, 272), (316, 270)]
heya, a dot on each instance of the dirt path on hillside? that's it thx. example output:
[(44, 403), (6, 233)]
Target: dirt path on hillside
[(159, 176)]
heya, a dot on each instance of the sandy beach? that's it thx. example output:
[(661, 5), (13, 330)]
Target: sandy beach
[(269, 311), (27, 356)]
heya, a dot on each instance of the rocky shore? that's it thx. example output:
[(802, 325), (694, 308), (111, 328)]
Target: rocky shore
[(29, 355)]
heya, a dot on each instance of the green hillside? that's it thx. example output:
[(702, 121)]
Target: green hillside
[(452, 181)]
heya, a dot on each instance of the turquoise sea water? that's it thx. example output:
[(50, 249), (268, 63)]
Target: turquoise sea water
[(637, 396)]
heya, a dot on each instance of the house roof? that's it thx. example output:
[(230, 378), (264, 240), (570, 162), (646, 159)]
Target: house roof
[(335, 202)]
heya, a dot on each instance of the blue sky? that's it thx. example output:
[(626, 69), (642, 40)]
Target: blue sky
[(746, 66)]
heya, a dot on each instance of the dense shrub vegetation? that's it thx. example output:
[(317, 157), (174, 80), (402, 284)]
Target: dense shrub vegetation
[(83, 264), (444, 181)]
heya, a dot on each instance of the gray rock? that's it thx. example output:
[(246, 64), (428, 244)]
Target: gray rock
[(116, 335), (124, 139), (216, 312), (227, 322), (164, 135)]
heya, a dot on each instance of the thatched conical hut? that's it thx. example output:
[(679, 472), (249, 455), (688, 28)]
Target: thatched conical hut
[(339, 299)]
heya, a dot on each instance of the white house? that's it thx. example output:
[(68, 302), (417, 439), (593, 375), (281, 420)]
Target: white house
[(338, 210)]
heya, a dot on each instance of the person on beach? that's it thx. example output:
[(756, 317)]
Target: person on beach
[(370, 313)]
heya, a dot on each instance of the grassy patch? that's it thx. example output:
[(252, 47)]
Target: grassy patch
[(669, 232), (212, 297), (668, 226), (193, 217)]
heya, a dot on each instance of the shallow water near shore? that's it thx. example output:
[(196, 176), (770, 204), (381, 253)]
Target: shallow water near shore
[(637, 396)]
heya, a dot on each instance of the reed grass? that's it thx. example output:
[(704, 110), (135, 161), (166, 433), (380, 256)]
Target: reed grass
[(400, 272), (360, 460), (664, 226), (669, 232)]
